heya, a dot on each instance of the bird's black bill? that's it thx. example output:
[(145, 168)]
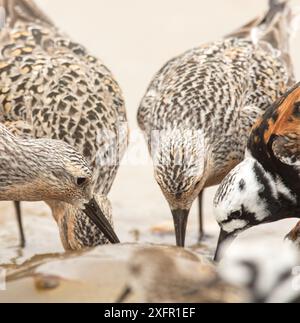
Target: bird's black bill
[(124, 296), (223, 237), (180, 222), (93, 211)]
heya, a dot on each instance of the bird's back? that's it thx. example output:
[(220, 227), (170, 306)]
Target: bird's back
[(220, 88), (212, 87), (51, 87)]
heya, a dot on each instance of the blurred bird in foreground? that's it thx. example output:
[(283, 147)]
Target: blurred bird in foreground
[(198, 112), (267, 268), (156, 276), (51, 87), (265, 187)]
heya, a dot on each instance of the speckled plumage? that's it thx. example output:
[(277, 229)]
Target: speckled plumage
[(217, 90), (51, 87), (27, 165), (51, 170), (34, 170)]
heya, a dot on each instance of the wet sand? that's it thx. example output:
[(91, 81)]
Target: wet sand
[(134, 38), (97, 275)]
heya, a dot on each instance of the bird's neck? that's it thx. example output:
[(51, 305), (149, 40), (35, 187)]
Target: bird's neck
[(282, 201), (64, 215)]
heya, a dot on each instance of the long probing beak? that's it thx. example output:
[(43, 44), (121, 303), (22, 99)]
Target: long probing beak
[(180, 222), (223, 238), (93, 211)]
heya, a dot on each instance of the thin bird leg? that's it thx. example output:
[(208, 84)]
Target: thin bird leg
[(20, 224), (201, 222)]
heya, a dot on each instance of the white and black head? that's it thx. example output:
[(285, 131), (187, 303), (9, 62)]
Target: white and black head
[(247, 197), (264, 266)]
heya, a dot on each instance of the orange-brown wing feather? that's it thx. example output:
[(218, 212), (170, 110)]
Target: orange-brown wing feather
[(287, 120), (286, 129)]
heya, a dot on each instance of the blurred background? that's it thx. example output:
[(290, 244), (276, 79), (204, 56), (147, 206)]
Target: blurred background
[(134, 38)]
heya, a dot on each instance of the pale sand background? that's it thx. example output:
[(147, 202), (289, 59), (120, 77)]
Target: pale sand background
[(135, 38)]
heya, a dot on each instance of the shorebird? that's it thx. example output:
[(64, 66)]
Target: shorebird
[(51, 87), (198, 112), (44, 169), (156, 276), (264, 267), (265, 187)]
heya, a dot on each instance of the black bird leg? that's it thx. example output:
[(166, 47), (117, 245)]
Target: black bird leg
[(201, 222), (20, 224)]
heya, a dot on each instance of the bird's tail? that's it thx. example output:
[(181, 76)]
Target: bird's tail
[(276, 28), (276, 22), (25, 10)]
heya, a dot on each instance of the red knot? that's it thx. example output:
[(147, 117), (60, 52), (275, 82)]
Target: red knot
[(51, 87), (199, 109)]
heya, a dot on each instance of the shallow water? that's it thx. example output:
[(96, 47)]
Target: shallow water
[(162, 29), (42, 272)]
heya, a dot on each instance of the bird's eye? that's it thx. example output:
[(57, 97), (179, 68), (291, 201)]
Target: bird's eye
[(236, 215), (81, 181)]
